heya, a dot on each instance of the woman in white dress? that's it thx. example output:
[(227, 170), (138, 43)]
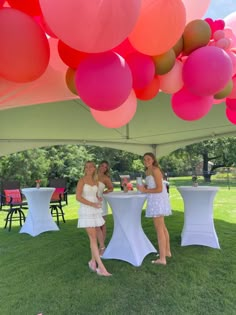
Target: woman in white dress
[(90, 214), (158, 204), (105, 186)]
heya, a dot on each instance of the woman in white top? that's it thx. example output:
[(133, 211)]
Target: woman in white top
[(90, 214), (158, 204), (105, 186)]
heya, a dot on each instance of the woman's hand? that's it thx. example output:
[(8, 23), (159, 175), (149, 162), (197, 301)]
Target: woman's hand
[(141, 188), (97, 205)]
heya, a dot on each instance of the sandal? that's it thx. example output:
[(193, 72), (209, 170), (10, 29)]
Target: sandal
[(101, 251), (103, 273), (92, 265)]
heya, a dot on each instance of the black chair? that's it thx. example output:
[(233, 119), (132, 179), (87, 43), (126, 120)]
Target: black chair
[(57, 203), (13, 205), (60, 183)]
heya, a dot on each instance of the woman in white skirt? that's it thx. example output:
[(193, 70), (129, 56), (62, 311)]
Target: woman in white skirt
[(158, 204), (90, 214), (105, 186)]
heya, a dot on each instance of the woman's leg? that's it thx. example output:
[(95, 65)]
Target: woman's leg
[(168, 251), (159, 225), (92, 234), (104, 229), (100, 240)]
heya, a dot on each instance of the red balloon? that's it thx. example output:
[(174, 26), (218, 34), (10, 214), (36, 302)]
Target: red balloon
[(24, 52), (70, 56), (190, 107), (117, 117), (1, 3), (150, 91), (125, 48), (231, 104), (30, 7), (103, 81), (231, 116)]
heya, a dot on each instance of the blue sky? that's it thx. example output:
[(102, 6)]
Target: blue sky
[(219, 9)]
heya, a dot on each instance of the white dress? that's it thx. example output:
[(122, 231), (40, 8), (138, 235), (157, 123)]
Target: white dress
[(101, 187), (158, 204), (90, 216)]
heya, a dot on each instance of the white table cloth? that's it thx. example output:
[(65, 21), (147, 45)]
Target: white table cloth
[(198, 226), (128, 242), (39, 218)]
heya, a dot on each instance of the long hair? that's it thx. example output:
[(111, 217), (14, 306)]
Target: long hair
[(95, 174), (155, 163), (107, 173)]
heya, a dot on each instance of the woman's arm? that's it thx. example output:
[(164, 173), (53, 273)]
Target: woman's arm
[(158, 180), (109, 185), (80, 198)]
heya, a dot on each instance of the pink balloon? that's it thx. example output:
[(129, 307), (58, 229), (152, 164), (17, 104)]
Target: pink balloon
[(231, 104), (124, 49), (118, 117), (230, 21), (223, 43), (24, 52), (91, 28), (220, 101), (172, 81), (207, 70), (232, 95), (231, 115), (232, 56), (103, 81), (218, 35), (195, 9), (190, 107), (142, 68)]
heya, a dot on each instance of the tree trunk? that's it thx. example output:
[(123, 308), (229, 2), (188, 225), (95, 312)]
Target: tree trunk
[(206, 173)]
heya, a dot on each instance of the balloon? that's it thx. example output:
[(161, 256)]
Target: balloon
[(91, 28), (233, 92), (231, 116), (225, 91), (24, 52), (178, 47), (70, 80), (1, 3), (70, 56), (207, 70), (142, 68), (220, 101), (150, 91), (172, 82), (218, 35), (230, 21), (124, 48), (196, 34), (195, 9), (217, 25), (165, 62), (103, 81), (159, 26), (118, 117), (233, 60), (231, 104), (40, 20), (223, 43), (190, 107), (30, 7)]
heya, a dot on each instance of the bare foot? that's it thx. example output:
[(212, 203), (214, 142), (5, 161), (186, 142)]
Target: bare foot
[(159, 262), (92, 265), (103, 273)]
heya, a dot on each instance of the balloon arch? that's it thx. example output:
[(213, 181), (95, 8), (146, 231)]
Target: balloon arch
[(119, 51)]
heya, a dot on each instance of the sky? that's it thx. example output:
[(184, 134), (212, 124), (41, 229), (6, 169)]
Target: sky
[(219, 9)]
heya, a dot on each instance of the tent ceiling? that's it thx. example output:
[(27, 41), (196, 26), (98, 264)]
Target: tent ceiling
[(153, 128)]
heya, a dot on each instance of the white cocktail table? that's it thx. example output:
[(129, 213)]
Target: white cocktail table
[(198, 226), (128, 242), (39, 218)]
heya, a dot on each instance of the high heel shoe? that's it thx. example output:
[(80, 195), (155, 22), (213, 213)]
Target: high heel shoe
[(103, 273), (92, 266)]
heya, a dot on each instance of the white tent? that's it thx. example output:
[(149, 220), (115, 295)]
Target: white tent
[(45, 113)]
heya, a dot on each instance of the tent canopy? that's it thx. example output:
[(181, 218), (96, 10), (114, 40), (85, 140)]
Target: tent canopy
[(60, 117)]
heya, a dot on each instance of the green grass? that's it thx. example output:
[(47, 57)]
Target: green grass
[(49, 273)]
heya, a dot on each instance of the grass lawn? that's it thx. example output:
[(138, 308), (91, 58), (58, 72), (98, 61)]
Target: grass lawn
[(48, 274)]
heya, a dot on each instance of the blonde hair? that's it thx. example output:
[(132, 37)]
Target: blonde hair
[(95, 174), (107, 173)]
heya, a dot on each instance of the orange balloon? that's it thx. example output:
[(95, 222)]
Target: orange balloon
[(70, 80), (196, 34), (165, 62), (159, 26), (150, 91)]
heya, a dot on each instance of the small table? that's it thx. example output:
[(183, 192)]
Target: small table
[(128, 242), (39, 218), (199, 226)]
